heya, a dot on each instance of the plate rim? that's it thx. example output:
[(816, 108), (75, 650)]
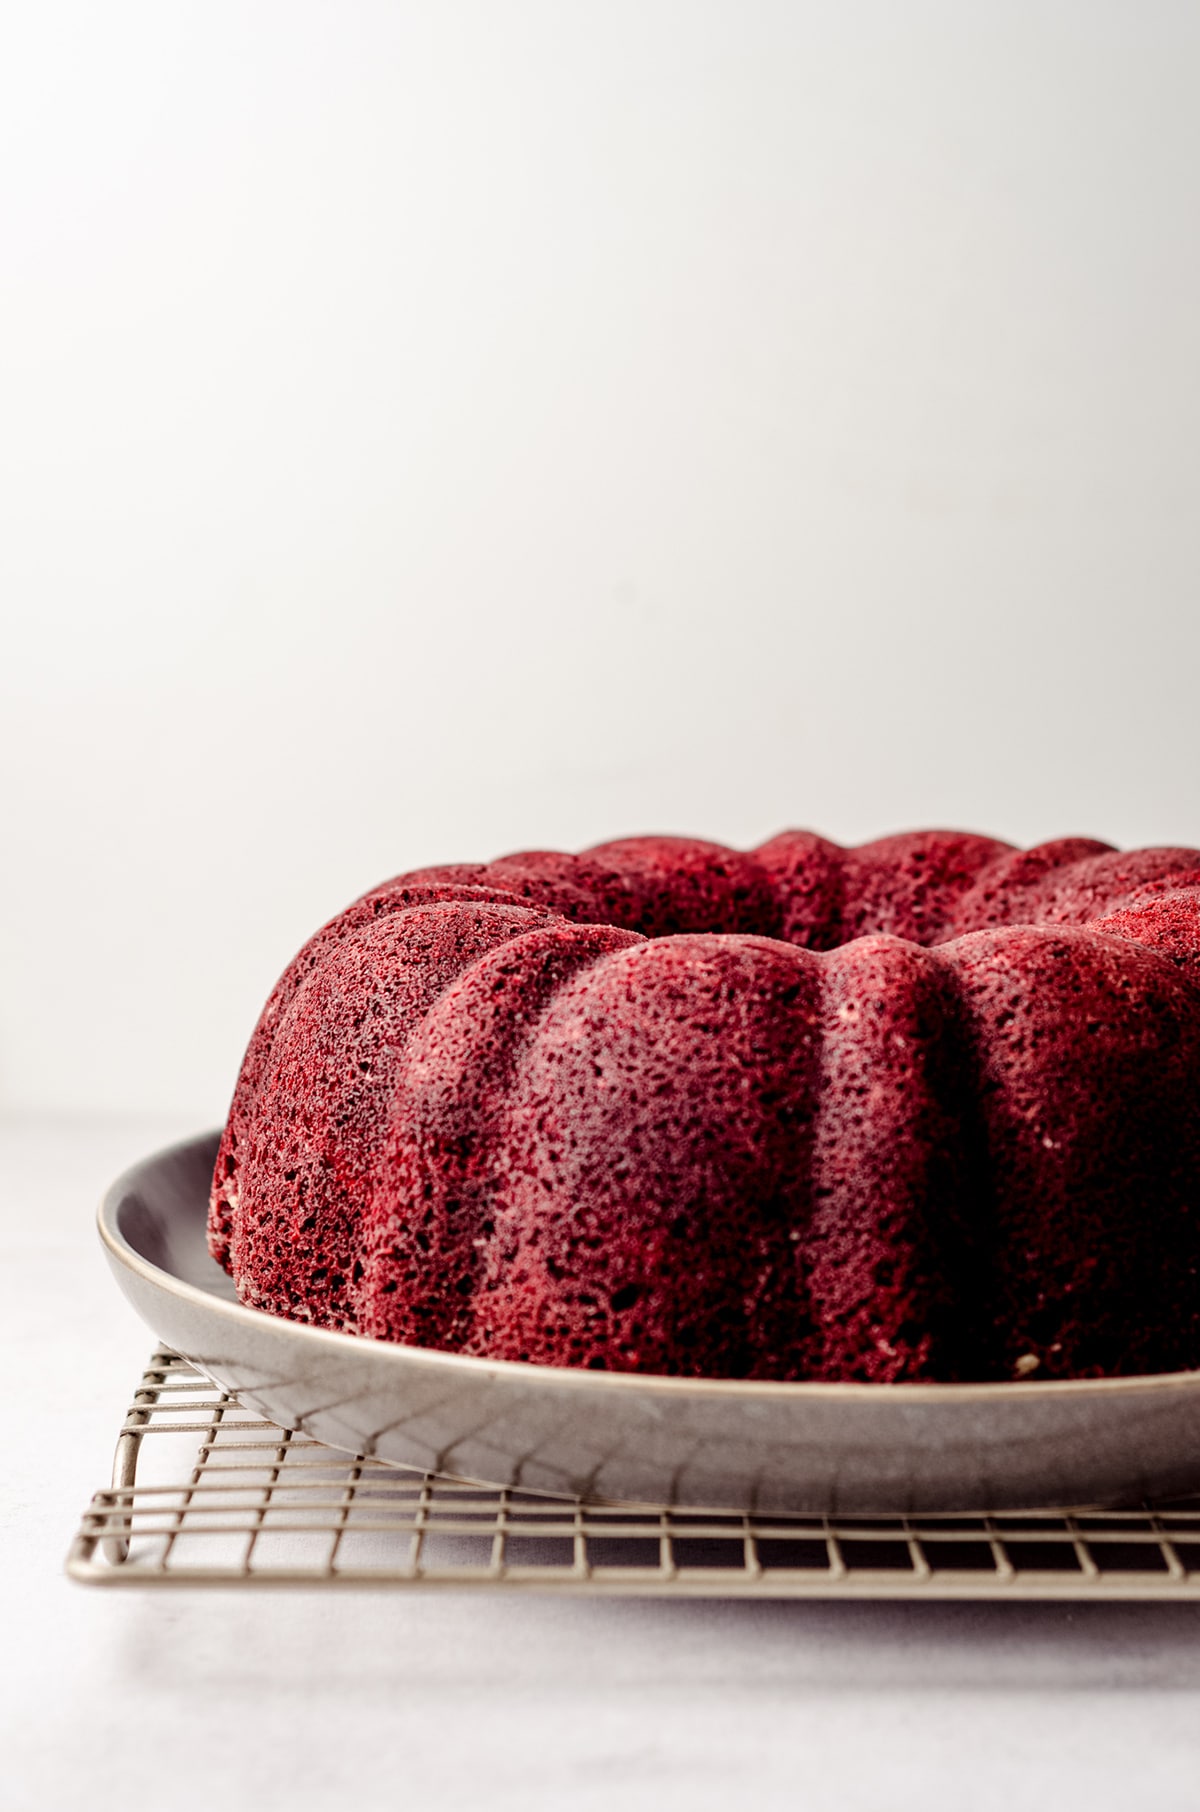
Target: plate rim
[(121, 1252)]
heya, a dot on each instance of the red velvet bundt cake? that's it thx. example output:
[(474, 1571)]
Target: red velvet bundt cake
[(924, 1109)]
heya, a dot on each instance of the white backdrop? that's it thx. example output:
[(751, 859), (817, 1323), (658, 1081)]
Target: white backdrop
[(430, 430)]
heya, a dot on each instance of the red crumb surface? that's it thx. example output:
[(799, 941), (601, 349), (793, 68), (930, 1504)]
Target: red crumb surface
[(928, 1108)]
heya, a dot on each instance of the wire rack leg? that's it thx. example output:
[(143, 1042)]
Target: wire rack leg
[(129, 1446)]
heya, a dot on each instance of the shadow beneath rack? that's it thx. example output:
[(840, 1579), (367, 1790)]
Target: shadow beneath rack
[(378, 1645)]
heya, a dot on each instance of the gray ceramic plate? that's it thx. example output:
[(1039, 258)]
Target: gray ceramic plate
[(849, 1448)]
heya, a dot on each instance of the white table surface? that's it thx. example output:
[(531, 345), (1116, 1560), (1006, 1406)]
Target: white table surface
[(380, 1699)]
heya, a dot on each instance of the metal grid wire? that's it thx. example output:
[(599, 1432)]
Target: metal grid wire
[(219, 1497)]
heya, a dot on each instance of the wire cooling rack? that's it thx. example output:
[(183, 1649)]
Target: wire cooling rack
[(206, 1493)]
